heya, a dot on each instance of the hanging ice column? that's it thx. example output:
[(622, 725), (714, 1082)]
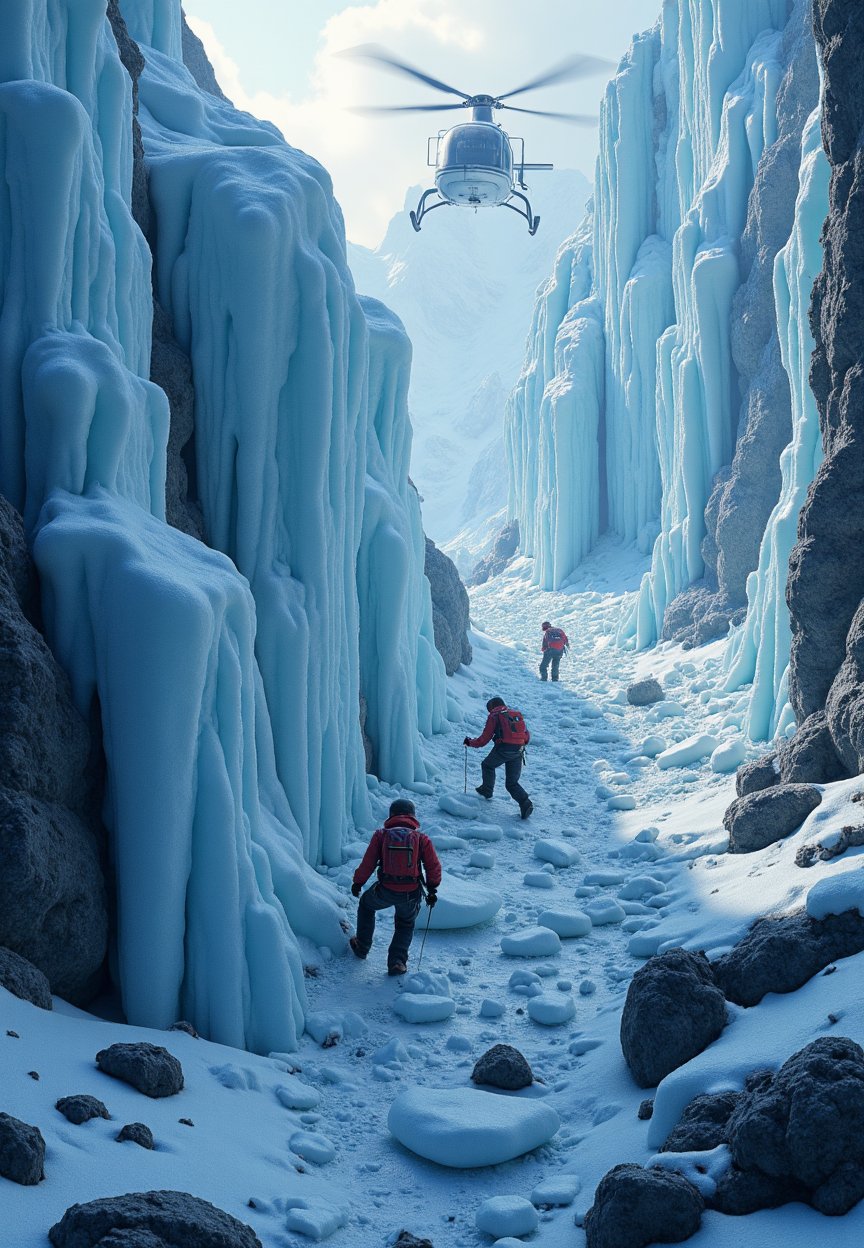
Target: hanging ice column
[(729, 73), (759, 650)]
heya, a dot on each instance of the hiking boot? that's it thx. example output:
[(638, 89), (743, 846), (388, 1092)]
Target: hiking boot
[(398, 968), (483, 792), (355, 948), (526, 808)]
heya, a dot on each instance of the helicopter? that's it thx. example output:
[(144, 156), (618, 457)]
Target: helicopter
[(477, 163)]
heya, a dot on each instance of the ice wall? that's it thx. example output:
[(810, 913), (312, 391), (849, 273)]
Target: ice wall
[(759, 650), (228, 680)]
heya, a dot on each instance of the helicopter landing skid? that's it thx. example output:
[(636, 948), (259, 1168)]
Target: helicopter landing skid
[(525, 213), (423, 208)]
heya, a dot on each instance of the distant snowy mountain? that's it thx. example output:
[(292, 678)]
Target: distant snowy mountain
[(464, 289)]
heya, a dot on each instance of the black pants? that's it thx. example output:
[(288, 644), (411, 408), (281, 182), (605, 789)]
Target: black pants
[(553, 657), (511, 757), (406, 907)]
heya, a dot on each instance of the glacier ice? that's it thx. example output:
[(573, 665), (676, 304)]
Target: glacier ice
[(228, 678)]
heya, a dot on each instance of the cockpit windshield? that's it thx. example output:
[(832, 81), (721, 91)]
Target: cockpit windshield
[(477, 145)]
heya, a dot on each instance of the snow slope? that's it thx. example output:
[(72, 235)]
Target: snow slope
[(299, 1147), (464, 288), (228, 679)]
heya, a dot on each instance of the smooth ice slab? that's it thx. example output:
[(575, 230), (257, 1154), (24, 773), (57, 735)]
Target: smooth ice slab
[(690, 750), (533, 942), (603, 910), (462, 903), (551, 1008), (559, 853), (463, 1128), (423, 1009), (566, 923)]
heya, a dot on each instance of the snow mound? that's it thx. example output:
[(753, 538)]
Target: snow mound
[(729, 756), (317, 1219), (312, 1147), (538, 879), (427, 983), (462, 903), (415, 1008), (551, 1008), (559, 853), (297, 1095), (566, 923), (483, 832), (462, 807), (561, 1190), (835, 894), (533, 942), (507, 1215), (464, 1128)]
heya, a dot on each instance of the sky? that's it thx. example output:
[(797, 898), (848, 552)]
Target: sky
[(278, 61)]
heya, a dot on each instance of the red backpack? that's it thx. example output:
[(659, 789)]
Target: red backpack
[(511, 727), (400, 855), (556, 638)]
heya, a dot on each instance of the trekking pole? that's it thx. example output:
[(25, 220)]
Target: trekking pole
[(425, 934), (466, 768)]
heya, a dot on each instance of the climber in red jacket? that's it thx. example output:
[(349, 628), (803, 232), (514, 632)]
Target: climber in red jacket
[(398, 850), (506, 727), (555, 644)]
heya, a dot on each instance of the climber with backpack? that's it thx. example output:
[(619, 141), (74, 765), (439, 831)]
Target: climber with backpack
[(555, 643), (507, 728), (400, 852)]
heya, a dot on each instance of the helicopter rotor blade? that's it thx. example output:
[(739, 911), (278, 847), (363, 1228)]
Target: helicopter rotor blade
[(575, 67), (579, 119), (380, 56), (368, 110)]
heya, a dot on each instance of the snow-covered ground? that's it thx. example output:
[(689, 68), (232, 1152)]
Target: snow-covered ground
[(298, 1146)]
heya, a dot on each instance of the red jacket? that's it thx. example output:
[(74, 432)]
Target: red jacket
[(372, 857), (492, 729), (555, 645)]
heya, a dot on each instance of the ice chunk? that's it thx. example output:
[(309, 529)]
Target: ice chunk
[(559, 1190), (461, 903), (462, 807), (640, 886), (464, 1127), (666, 710), (483, 832), (652, 746), (551, 1008), (565, 923), (690, 750), (507, 1215), (481, 859), (606, 879), (558, 853), (312, 1147), (538, 879), (729, 756), (604, 910), (623, 801), (297, 1095), (315, 1218), (430, 983), (533, 942), (491, 1009), (423, 1009)]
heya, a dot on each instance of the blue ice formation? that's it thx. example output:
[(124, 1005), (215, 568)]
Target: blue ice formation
[(758, 651), (228, 677)]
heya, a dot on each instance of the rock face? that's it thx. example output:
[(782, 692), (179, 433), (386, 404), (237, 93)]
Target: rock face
[(845, 705), (147, 1067), (196, 61), (745, 492), (781, 954), (806, 1124), (449, 609), (22, 1152), (634, 1207), (505, 547), (826, 569), (703, 1124), (760, 819), (80, 1109), (673, 1011), (502, 1066), (645, 692), (52, 893), (133, 63), (756, 776), (810, 757), (23, 980), (171, 1219), (171, 369)]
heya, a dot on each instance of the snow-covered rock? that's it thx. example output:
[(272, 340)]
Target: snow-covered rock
[(507, 1215), (463, 1128)]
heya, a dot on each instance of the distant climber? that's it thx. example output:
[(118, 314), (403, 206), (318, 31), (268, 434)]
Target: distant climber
[(506, 727), (555, 644), (401, 852)]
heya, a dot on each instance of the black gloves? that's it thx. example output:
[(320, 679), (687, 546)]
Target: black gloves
[(355, 889), (467, 741), (431, 897)]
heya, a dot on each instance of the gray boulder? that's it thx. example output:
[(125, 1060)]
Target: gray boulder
[(407, 1240), (22, 1152), (780, 954), (136, 1132), (171, 1219), (645, 692), (806, 1123), (703, 1124), (634, 1207), (147, 1067), (505, 546), (24, 980), (81, 1108), (740, 1192), (759, 819), (52, 894), (845, 705), (756, 776), (502, 1066), (810, 756), (848, 837), (673, 1011), (449, 608)]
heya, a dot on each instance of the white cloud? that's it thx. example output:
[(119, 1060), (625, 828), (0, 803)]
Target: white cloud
[(498, 45)]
